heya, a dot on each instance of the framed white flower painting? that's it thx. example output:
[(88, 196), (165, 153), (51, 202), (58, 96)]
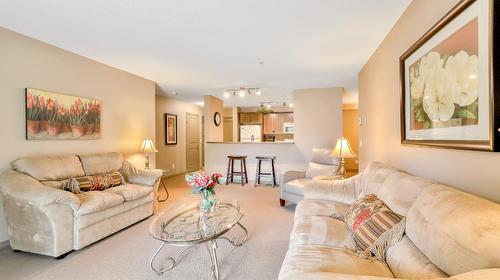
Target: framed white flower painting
[(446, 82)]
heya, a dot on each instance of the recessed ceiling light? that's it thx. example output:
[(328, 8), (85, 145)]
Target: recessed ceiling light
[(227, 94), (173, 93), (290, 105)]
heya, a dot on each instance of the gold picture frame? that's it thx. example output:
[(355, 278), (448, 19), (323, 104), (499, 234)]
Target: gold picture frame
[(439, 107)]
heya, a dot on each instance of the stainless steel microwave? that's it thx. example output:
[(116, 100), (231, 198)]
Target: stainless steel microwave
[(288, 128)]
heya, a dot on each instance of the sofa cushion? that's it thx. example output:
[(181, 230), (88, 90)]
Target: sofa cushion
[(316, 207), (321, 230), (93, 218), (306, 259), (400, 190), (317, 169), (406, 261), (95, 201), (374, 176), (130, 192), (55, 184), (51, 168), (101, 163), (296, 186), (457, 231)]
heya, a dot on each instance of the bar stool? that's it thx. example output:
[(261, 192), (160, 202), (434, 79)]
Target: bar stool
[(242, 172), (259, 173)]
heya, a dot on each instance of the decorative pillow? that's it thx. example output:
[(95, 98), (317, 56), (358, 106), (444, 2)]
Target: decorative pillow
[(374, 226), (94, 183)]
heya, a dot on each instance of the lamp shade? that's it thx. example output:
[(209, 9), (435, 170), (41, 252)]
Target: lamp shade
[(343, 149), (148, 146)]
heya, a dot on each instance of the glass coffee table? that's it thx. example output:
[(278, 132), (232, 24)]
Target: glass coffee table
[(184, 225)]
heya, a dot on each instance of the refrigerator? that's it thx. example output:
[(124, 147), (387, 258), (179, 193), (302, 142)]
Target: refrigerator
[(250, 133)]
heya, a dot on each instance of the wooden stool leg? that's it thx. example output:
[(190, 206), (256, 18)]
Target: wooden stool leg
[(274, 174), (245, 166), (241, 173), (232, 170), (257, 172), (260, 169), (228, 169)]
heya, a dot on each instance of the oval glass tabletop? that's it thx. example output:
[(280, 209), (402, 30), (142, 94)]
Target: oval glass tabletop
[(185, 225)]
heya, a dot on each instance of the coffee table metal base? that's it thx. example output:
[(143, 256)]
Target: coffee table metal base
[(235, 241)]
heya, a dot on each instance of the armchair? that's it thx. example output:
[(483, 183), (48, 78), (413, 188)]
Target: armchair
[(292, 183)]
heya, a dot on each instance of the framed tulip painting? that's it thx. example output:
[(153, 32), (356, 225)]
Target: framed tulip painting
[(56, 116), (447, 82)]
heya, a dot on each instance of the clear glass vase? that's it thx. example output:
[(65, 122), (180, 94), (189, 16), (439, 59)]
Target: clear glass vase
[(208, 201)]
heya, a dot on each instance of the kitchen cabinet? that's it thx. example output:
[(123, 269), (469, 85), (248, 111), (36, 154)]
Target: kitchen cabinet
[(251, 118), (288, 118), (273, 123)]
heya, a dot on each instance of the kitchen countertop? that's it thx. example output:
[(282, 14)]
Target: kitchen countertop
[(279, 142)]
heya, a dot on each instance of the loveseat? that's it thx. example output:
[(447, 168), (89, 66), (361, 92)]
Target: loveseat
[(449, 234), (43, 218)]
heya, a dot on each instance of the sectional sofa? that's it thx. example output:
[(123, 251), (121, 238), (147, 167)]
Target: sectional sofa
[(449, 234)]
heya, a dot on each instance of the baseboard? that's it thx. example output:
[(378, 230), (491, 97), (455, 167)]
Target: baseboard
[(4, 244)]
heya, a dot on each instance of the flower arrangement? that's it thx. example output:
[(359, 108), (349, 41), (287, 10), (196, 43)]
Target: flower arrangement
[(202, 183), (444, 90)]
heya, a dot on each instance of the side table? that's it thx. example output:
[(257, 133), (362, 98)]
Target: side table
[(164, 185)]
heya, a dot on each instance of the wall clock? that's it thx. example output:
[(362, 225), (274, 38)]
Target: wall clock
[(217, 118)]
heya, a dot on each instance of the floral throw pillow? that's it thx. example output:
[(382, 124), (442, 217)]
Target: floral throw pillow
[(94, 183), (375, 227)]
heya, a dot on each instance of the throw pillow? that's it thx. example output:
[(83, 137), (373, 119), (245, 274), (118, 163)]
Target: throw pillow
[(374, 226), (94, 183)]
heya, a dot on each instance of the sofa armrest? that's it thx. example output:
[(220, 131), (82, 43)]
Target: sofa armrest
[(343, 191), (290, 175), (146, 177), (134, 175), (27, 189)]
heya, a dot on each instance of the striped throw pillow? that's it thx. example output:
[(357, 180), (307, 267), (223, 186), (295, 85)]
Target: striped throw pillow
[(94, 183), (374, 226)]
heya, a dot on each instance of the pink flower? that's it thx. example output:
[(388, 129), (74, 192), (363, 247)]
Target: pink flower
[(42, 102)]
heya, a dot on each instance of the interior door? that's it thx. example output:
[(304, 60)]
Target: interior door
[(228, 129), (192, 142)]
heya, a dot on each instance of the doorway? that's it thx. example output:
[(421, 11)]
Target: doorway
[(193, 140)]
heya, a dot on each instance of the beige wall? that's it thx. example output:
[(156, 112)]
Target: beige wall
[(211, 105), (317, 118), (474, 172), (173, 157), (351, 132), (127, 101)]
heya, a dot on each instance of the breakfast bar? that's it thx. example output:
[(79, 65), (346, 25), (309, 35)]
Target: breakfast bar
[(288, 156)]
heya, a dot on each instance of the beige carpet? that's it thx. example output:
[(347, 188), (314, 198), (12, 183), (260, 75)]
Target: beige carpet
[(126, 254)]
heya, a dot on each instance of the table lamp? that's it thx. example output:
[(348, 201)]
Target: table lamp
[(147, 148), (343, 150)]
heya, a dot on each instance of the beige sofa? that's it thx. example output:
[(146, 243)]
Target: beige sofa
[(449, 234), (44, 219)]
